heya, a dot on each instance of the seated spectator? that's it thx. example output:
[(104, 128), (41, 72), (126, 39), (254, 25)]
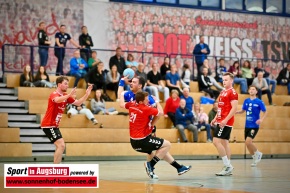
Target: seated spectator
[(212, 79), (173, 80), (266, 75), (42, 78), (112, 80), (235, 70), (171, 105), (212, 114), (201, 121), (183, 120), (261, 84), (73, 110), (97, 76), (78, 67), (188, 99), (204, 84), (248, 72), (155, 83), (26, 78), (130, 63), (165, 67), (185, 76), (284, 77), (118, 60), (221, 69), (98, 105), (140, 72), (94, 60)]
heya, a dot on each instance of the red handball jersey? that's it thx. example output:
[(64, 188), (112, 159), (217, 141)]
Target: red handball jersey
[(54, 110), (140, 119), (224, 105)]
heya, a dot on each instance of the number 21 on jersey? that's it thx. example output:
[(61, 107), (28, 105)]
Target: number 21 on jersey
[(133, 117)]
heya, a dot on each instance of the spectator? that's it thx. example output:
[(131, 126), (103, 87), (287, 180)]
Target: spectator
[(97, 76), (185, 77), (248, 72), (212, 79), (200, 52), (98, 105), (26, 78), (42, 78), (212, 114), (43, 42), (284, 77), (266, 75), (140, 72), (61, 39), (221, 69), (118, 60), (112, 80), (86, 42), (165, 67), (201, 121), (204, 84), (261, 84), (171, 105), (130, 63), (188, 99), (155, 84), (183, 119), (78, 67), (73, 110), (173, 80), (94, 60), (235, 70)]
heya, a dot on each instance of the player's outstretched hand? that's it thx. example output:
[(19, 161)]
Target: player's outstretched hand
[(73, 91), (89, 89)]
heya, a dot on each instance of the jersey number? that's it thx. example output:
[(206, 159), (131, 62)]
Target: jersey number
[(133, 117)]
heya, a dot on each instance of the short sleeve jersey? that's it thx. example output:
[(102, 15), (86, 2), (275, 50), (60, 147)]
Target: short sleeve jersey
[(54, 110), (129, 96), (224, 105), (62, 38), (253, 109), (139, 119)]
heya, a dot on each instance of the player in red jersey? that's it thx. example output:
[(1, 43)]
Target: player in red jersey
[(227, 107), (56, 105), (140, 133)]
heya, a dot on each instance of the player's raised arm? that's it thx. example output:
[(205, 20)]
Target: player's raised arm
[(84, 98), (63, 98), (121, 86), (122, 100)]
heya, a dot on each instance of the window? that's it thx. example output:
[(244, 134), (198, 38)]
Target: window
[(146, 0), (234, 4), (287, 6), (166, 1), (188, 2), (254, 5), (210, 3), (274, 6)]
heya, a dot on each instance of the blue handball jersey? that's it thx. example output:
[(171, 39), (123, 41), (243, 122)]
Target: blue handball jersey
[(253, 109), (130, 96)]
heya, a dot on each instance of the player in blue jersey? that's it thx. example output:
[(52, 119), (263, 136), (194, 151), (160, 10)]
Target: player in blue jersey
[(253, 106)]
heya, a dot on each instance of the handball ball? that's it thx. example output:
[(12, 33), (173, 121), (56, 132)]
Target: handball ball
[(129, 72)]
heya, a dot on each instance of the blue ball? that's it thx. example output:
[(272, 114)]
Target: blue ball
[(129, 72)]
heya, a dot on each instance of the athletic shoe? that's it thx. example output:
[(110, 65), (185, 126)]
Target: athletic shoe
[(95, 121), (183, 169), (113, 113), (150, 170), (209, 141), (226, 171), (257, 158)]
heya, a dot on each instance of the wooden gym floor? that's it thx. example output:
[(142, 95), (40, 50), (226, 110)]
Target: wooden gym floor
[(271, 175)]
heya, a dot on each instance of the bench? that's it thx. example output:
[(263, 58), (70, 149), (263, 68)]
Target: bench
[(15, 149), (9, 135), (4, 119)]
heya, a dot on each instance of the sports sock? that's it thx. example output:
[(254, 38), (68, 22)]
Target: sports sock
[(226, 161), (176, 165), (154, 161)]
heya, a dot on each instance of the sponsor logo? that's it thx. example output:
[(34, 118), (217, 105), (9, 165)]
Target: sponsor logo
[(220, 131), (53, 133)]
